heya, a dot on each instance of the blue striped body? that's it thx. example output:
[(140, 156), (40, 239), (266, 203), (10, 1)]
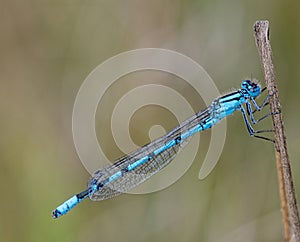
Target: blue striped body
[(134, 168)]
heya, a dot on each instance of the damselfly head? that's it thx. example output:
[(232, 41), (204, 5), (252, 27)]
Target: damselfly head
[(251, 87)]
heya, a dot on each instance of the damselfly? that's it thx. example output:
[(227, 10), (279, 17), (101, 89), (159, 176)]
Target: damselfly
[(131, 170)]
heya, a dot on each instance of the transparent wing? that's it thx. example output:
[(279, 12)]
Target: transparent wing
[(133, 178)]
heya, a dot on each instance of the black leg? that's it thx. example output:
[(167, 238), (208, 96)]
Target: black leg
[(264, 138), (251, 131), (248, 125), (259, 107)]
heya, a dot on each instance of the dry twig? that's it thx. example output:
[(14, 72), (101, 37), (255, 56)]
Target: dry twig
[(287, 193)]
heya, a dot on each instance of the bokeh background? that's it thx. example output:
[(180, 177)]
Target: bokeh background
[(47, 50)]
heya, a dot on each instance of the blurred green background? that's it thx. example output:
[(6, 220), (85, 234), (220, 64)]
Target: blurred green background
[(47, 50)]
